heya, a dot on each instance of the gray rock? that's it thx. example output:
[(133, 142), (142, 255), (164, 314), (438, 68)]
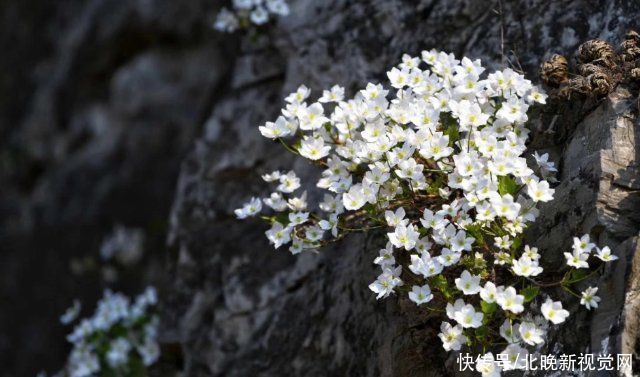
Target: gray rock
[(239, 308)]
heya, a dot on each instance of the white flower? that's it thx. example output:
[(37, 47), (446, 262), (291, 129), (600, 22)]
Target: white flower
[(582, 244), (525, 266), (467, 283), (540, 191), (354, 199), (276, 202), (513, 111), (420, 295), (510, 331), (398, 78), (547, 168), (274, 130), (404, 237), (336, 94), (448, 257), (451, 336), (313, 148), (531, 252), (118, 353), (487, 366), (226, 21), (505, 206), (452, 309), (297, 218), (503, 242), (577, 259), (605, 255), (537, 95), (510, 300), (312, 117), (553, 312), (490, 292), (149, 350), (259, 16), (425, 265), (243, 4), (288, 183), (589, 298), (330, 224), (279, 235), (299, 95), (252, 208), (467, 317), (386, 258), (396, 218), (409, 169), (272, 177), (278, 7), (314, 233), (386, 282), (471, 116), (437, 147), (461, 242), (530, 333), (513, 357), (71, 313), (83, 363)]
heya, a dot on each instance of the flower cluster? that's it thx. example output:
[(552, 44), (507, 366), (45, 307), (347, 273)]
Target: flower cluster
[(438, 162), (248, 12), (119, 339)]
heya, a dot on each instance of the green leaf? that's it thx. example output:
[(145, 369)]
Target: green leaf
[(517, 242), (507, 185), (575, 276), (440, 282), (436, 184), (475, 230), (488, 308), (530, 293), (450, 127), (453, 133), (481, 332), (282, 218)]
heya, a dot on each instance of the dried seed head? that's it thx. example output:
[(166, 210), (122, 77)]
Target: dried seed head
[(601, 83), (630, 54), (589, 68), (631, 46), (598, 52), (580, 85), (555, 71), (632, 35)]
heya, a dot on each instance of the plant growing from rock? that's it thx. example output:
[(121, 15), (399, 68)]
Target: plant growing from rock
[(118, 340), (437, 162), (246, 14)]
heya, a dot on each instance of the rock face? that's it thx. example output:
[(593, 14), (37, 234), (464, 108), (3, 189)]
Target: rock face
[(239, 308), (102, 100)]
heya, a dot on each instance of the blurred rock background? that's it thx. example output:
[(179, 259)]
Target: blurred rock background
[(135, 113)]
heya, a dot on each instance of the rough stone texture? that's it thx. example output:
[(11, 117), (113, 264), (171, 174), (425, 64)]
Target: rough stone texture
[(100, 100), (598, 194), (239, 308)]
